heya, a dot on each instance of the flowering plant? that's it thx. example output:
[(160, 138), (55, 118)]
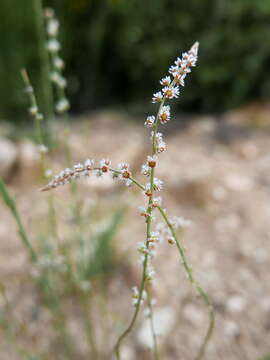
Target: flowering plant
[(154, 232)]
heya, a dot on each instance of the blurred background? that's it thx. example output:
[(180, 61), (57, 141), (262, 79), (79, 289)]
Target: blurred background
[(75, 299), (115, 51)]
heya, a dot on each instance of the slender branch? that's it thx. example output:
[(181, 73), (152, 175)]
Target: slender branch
[(195, 284), (151, 318)]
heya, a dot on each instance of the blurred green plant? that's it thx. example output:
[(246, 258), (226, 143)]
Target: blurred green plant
[(64, 271), (114, 45)]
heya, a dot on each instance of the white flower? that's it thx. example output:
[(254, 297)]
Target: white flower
[(164, 115), (142, 248), (89, 164), (157, 97), (161, 146), (104, 165), (53, 27), (33, 110), (62, 105), (171, 240), (158, 184), (171, 92), (58, 63), (143, 211), (58, 79), (174, 70), (146, 170), (152, 161), (165, 81), (125, 172), (150, 120), (42, 149), (156, 201), (150, 273), (53, 45)]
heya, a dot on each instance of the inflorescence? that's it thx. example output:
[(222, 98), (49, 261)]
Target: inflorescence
[(164, 230)]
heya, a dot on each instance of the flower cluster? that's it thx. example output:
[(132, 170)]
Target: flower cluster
[(57, 63), (178, 72), (84, 169), (136, 296)]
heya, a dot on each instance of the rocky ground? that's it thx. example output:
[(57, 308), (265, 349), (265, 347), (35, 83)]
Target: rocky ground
[(216, 173)]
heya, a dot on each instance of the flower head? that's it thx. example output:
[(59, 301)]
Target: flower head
[(164, 114), (157, 97), (150, 120), (171, 92)]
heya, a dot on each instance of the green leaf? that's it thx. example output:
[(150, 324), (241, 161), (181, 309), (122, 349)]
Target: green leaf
[(101, 258), (11, 204)]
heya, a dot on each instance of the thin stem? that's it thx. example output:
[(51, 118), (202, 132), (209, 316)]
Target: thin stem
[(44, 59), (135, 315), (151, 318), (202, 293), (148, 234)]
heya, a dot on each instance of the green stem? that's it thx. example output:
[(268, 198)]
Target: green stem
[(151, 318), (148, 234), (195, 284), (44, 60)]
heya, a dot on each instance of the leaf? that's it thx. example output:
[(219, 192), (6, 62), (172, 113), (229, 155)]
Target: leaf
[(101, 259), (11, 204)]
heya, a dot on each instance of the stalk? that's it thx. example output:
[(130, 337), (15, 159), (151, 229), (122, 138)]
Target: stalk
[(44, 60), (202, 293)]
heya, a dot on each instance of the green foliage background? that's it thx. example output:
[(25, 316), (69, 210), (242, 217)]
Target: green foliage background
[(116, 50)]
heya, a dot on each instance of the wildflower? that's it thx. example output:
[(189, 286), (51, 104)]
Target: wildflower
[(42, 149), (179, 79), (165, 81), (143, 211), (136, 296), (152, 161), (157, 97), (147, 189), (156, 201), (142, 248), (89, 164), (164, 115), (153, 238), (62, 105), (58, 63), (145, 169), (158, 184), (33, 110), (171, 240), (53, 27), (39, 116), (53, 45), (150, 120), (125, 172), (58, 79), (150, 273), (161, 146), (104, 165), (171, 92)]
